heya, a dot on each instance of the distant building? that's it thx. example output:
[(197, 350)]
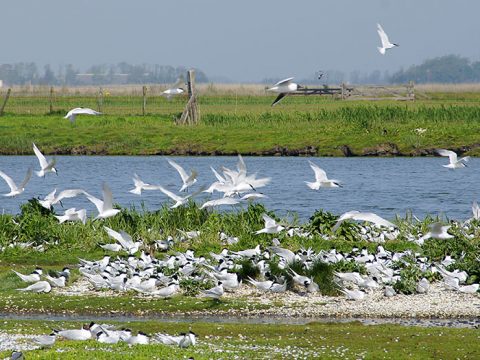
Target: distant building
[(1, 84)]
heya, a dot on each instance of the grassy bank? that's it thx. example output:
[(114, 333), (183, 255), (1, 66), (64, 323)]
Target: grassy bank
[(248, 125), (256, 341)]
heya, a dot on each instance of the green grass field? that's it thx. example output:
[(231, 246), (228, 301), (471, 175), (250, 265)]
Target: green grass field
[(245, 124), (260, 341)]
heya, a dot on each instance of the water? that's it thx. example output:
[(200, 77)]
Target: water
[(269, 320), (386, 186)]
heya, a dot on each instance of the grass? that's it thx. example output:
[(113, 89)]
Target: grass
[(245, 124), (263, 341)]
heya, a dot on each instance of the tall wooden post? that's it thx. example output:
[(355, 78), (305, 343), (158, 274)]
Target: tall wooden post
[(100, 100), (190, 114), (343, 91), (7, 96), (50, 100), (144, 104)]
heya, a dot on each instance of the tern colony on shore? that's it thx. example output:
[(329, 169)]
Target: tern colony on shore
[(148, 275)]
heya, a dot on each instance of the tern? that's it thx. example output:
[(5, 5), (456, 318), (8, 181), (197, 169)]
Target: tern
[(179, 200), (140, 185), (52, 199), (386, 44), (46, 341), (188, 180), (38, 287), (124, 239), (362, 216), (261, 285), (271, 226), (455, 163), (353, 294), (45, 166), (14, 189), (220, 202), (423, 286), (75, 334), (215, 293), (71, 115), (284, 87), (175, 90), (32, 277), (105, 206), (187, 340), (437, 231), (73, 215), (321, 179)]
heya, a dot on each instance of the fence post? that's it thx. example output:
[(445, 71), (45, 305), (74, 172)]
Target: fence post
[(190, 114), (144, 105), (100, 100), (7, 96), (51, 100), (343, 91)]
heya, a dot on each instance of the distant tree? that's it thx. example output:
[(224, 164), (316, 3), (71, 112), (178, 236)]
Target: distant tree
[(444, 69)]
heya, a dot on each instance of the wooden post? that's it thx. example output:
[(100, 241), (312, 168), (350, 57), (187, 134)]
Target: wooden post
[(5, 101), (411, 90), (343, 91), (190, 114), (144, 105), (51, 100), (100, 100)]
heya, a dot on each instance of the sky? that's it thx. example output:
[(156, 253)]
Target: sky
[(244, 41)]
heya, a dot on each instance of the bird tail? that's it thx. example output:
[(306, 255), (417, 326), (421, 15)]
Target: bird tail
[(311, 185), (136, 191), (39, 173), (381, 50)]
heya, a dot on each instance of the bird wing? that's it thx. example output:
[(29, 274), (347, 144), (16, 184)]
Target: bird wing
[(383, 36), (97, 202), (320, 174), (343, 217), (269, 222), (179, 83), (41, 159), (241, 166), (107, 197), (181, 171), (373, 218), (137, 181), (70, 113), (284, 81), (28, 175), (67, 194), (279, 97), (9, 181), (122, 237), (217, 175), (169, 194), (218, 202), (452, 156), (476, 210), (86, 111)]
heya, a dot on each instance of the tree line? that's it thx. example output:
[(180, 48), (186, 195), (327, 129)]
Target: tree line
[(122, 73)]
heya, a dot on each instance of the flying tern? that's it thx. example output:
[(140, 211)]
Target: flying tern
[(188, 180), (455, 163), (45, 166), (321, 179), (283, 88), (386, 44), (71, 115), (105, 206), (14, 189)]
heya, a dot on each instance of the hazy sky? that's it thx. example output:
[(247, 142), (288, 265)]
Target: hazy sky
[(245, 40)]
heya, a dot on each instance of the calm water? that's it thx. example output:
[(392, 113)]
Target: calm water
[(386, 186)]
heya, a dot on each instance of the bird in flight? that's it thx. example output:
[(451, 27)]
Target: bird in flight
[(386, 44)]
